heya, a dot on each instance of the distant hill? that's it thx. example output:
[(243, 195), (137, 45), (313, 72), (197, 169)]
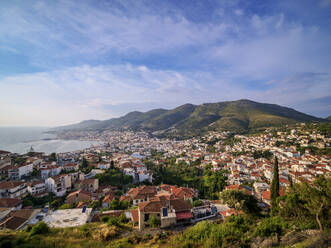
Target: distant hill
[(328, 118), (189, 119)]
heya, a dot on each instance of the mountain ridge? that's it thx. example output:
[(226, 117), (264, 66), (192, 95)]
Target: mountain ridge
[(188, 119)]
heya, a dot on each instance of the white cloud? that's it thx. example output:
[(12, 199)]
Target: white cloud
[(78, 93)]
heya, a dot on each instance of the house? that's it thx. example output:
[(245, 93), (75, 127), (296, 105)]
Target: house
[(19, 219), (16, 172), (70, 167), (145, 176), (50, 171), (90, 185), (37, 189), (170, 212), (13, 189), (246, 189), (103, 166), (80, 196), (108, 199), (14, 203), (58, 184), (141, 194)]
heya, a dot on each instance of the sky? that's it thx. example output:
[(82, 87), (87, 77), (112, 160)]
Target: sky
[(62, 62)]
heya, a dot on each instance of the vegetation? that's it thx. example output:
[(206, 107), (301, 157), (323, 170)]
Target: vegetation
[(52, 157), (275, 185), (303, 207), (154, 222), (114, 177), (189, 120), (262, 154), (207, 182), (240, 200), (40, 228)]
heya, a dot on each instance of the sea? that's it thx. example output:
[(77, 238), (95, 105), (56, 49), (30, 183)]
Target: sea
[(21, 139)]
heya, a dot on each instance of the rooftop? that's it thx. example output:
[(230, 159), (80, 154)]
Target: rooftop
[(68, 217)]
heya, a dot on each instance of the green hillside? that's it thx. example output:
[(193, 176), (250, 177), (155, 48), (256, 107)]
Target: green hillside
[(188, 119)]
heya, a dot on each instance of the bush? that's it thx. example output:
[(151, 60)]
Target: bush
[(154, 221), (197, 203), (65, 206), (27, 203), (113, 221), (270, 226), (40, 228), (123, 219), (104, 219)]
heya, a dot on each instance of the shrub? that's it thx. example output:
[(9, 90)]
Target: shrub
[(113, 221), (123, 219), (270, 226), (104, 219), (65, 206), (154, 221), (197, 203), (40, 228)]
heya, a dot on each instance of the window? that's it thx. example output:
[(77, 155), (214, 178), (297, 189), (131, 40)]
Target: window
[(146, 217)]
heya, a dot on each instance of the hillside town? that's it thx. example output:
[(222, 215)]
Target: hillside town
[(118, 177)]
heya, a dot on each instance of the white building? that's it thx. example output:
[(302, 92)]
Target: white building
[(37, 188), (13, 189), (16, 172), (50, 171), (58, 184)]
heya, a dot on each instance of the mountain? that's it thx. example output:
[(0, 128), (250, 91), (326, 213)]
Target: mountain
[(328, 118), (189, 119)]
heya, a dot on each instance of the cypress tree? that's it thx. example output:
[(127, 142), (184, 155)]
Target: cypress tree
[(275, 184)]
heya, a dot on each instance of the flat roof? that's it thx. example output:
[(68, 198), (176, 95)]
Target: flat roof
[(68, 217)]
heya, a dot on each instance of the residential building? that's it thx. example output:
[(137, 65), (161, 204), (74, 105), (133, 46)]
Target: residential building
[(13, 189)]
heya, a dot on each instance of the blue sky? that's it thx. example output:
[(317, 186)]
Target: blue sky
[(66, 61)]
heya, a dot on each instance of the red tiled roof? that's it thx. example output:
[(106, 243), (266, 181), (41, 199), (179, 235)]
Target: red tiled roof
[(184, 215), (9, 202), (10, 185), (134, 215)]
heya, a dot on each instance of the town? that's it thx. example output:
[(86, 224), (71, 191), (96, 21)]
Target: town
[(155, 182)]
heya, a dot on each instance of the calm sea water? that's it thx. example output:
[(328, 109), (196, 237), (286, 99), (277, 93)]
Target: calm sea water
[(20, 139)]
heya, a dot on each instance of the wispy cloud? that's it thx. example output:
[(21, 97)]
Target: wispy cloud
[(98, 59)]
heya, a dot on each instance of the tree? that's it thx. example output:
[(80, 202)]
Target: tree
[(84, 164), (40, 228), (52, 157), (154, 221), (239, 200), (275, 185), (318, 198)]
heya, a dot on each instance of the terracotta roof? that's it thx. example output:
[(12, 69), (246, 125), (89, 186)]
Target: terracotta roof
[(83, 192), (109, 197), (17, 218), (134, 215), (184, 215), (23, 213), (88, 181), (151, 206), (9, 202), (10, 185), (183, 192), (35, 183), (155, 206), (12, 222)]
